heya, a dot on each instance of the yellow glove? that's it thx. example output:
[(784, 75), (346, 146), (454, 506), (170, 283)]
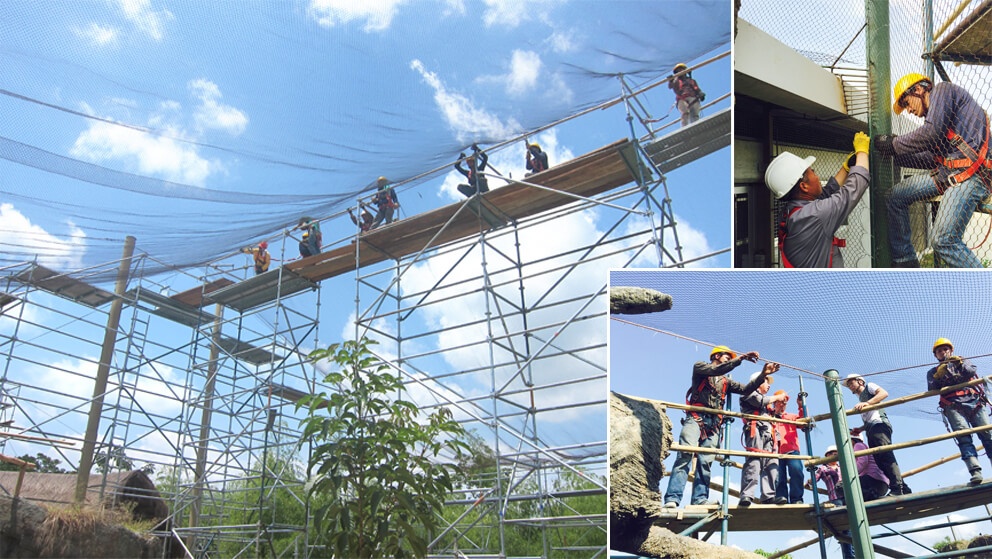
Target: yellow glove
[(941, 371), (849, 161), (861, 142), (954, 359)]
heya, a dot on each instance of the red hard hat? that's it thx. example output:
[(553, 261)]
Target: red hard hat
[(263, 245)]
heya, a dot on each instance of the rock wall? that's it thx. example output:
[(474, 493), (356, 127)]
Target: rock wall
[(640, 436), (24, 533)]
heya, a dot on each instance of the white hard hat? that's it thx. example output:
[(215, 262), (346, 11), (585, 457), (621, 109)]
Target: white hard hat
[(785, 171), (851, 377), (758, 374), (831, 448)]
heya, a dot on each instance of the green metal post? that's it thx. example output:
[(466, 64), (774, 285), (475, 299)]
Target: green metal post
[(882, 169), (855, 500)]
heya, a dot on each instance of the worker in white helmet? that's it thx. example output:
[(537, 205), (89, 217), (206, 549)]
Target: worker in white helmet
[(877, 428), (963, 408), (813, 213)]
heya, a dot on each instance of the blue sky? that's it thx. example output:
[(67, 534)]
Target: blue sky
[(868, 323)]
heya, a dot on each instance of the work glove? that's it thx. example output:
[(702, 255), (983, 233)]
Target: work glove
[(461, 155), (883, 144), (849, 162), (954, 359), (941, 371), (475, 147), (861, 142)]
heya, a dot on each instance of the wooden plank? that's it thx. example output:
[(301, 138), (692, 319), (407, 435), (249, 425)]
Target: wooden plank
[(899, 508), (594, 173), (971, 41), (194, 297)]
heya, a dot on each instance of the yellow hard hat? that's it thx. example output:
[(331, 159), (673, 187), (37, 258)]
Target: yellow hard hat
[(535, 145), (679, 67), (942, 341), (722, 349), (382, 180), (903, 85)]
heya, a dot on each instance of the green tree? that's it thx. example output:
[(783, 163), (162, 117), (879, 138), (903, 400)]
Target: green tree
[(43, 464), (378, 485)]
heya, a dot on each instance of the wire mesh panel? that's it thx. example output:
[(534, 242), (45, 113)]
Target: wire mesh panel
[(920, 73)]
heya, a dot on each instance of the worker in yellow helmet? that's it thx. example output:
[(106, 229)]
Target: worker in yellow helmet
[(385, 200), (261, 257), (962, 408), (688, 96), (537, 160), (953, 144), (710, 384)]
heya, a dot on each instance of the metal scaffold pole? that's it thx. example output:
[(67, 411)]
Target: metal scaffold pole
[(882, 169), (856, 515)]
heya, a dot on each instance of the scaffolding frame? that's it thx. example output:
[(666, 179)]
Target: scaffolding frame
[(203, 383)]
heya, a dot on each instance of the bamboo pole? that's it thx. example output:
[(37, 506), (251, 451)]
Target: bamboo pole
[(909, 398), (18, 436), (748, 453), (907, 444), (802, 422)]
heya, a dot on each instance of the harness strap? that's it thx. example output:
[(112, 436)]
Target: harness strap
[(783, 233), (972, 162)]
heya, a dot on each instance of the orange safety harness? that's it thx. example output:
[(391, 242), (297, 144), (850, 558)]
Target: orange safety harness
[(685, 87), (783, 233), (261, 260), (972, 162)]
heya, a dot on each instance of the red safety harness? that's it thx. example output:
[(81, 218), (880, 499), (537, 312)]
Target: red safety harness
[(972, 162), (783, 233)]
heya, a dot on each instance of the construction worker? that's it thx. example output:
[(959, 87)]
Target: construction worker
[(310, 245), (260, 255), (710, 385), (790, 470), (829, 473), (476, 165), (760, 474), (873, 479), (386, 201), (877, 428), (964, 407), (537, 160), (953, 143), (365, 223), (812, 213), (688, 96)]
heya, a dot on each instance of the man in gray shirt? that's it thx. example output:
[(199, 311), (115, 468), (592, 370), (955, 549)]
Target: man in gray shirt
[(813, 213)]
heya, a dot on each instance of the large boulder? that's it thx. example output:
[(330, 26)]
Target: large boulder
[(640, 436), (30, 530)]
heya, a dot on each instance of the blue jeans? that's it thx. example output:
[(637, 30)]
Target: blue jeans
[(691, 435), (963, 416), (790, 479), (956, 208)]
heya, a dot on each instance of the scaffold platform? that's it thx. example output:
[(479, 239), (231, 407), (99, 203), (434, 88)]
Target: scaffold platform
[(971, 40), (690, 143)]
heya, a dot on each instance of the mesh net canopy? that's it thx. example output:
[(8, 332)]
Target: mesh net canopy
[(202, 127)]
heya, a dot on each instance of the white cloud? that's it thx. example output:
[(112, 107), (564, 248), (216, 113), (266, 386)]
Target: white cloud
[(165, 155), (19, 236), (561, 41), (525, 68), (148, 154), (508, 13), (213, 114), (148, 21), (377, 14), (99, 35), (467, 121)]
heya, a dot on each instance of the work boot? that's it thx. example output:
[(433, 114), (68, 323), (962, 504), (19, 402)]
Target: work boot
[(744, 502), (914, 263), (975, 469)]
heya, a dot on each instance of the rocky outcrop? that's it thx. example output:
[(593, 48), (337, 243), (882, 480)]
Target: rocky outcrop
[(638, 300), (28, 530), (640, 436)]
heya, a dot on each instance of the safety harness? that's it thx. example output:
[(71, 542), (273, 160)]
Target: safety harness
[(972, 162), (783, 233), (261, 261), (705, 386), (685, 87)]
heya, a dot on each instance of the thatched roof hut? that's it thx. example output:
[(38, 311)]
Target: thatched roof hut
[(119, 488)]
